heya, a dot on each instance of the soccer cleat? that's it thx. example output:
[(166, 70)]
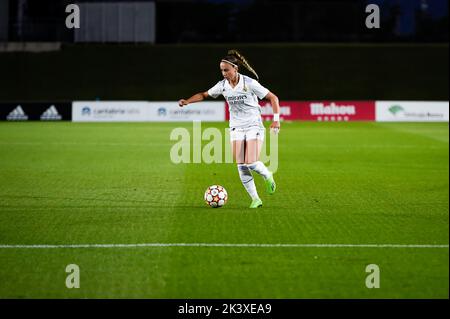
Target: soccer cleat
[(271, 186), (256, 203)]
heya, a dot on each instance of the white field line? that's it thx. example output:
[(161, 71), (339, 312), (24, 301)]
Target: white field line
[(3, 246), (86, 144), (375, 146)]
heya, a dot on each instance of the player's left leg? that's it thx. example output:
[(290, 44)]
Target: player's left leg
[(252, 154)]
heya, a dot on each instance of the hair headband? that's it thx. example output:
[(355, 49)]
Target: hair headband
[(235, 65)]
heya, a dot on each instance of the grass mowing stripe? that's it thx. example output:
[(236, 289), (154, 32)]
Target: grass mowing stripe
[(224, 245)]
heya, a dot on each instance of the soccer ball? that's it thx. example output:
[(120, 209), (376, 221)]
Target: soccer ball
[(216, 196)]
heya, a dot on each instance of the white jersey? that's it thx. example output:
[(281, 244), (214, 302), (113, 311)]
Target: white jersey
[(242, 100)]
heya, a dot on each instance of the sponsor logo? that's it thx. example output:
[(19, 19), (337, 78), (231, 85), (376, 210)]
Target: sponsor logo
[(107, 111), (51, 114), (113, 111), (266, 109), (321, 111), (17, 114), (412, 111), (187, 112), (143, 111), (162, 111), (394, 109), (332, 118), (86, 110), (332, 109), (397, 110)]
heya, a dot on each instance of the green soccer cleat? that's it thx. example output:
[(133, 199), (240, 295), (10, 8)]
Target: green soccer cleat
[(256, 203), (271, 186)]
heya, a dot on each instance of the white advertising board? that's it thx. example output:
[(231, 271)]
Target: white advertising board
[(411, 111), (143, 111), (109, 111)]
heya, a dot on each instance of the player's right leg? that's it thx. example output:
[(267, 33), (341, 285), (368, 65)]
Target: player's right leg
[(245, 174)]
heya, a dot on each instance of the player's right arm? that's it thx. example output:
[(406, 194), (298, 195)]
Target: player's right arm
[(213, 92), (195, 98)]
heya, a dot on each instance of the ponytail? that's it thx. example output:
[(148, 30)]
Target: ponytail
[(243, 62)]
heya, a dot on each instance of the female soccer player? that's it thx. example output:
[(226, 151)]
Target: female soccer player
[(246, 127)]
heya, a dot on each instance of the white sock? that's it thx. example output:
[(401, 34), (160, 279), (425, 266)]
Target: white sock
[(259, 168), (247, 180)]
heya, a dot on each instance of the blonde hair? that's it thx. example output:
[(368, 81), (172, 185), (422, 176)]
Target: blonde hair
[(234, 57)]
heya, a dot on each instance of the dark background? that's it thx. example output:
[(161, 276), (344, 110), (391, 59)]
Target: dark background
[(231, 21), (300, 49)]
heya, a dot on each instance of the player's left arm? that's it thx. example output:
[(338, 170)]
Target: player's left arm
[(275, 102)]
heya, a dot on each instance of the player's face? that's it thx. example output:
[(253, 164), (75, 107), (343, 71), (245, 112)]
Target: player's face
[(228, 71)]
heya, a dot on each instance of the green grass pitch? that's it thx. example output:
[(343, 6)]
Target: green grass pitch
[(338, 183)]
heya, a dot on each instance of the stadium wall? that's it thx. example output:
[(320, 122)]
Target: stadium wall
[(170, 72), (169, 111)]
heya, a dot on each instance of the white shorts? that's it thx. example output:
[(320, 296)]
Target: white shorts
[(245, 134)]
